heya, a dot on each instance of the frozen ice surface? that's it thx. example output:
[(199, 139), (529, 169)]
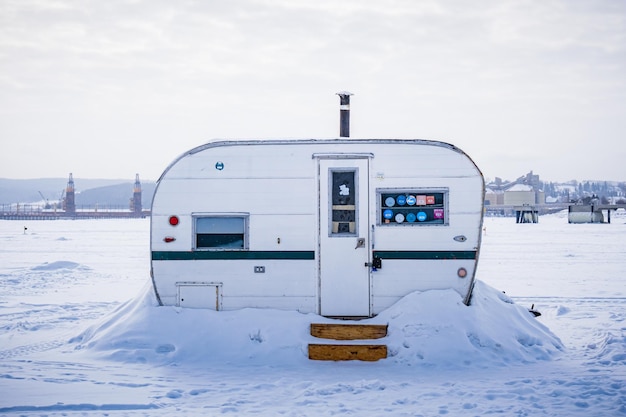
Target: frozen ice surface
[(80, 334)]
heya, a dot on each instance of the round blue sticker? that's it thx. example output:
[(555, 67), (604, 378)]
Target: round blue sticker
[(410, 217), (219, 165), (388, 214), (421, 216), (399, 218), (411, 200), (401, 200), (390, 202)]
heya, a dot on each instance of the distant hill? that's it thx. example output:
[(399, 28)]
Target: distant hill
[(105, 192), (115, 195)]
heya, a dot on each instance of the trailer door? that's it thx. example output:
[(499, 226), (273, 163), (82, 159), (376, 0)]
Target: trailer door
[(344, 237)]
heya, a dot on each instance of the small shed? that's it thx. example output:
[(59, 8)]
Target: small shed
[(585, 213), (519, 195)]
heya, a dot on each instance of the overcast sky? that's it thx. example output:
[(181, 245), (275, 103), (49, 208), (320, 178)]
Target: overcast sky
[(107, 89)]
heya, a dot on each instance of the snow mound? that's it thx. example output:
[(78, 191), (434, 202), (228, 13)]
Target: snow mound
[(431, 328), (609, 350), (58, 265), (436, 328)]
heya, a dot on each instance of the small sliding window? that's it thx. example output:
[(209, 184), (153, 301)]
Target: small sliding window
[(221, 232)]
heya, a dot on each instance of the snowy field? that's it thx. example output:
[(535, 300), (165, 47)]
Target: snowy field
[(80, 334)]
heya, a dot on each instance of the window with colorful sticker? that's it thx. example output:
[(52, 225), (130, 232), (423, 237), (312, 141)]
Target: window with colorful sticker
[(416, 207)]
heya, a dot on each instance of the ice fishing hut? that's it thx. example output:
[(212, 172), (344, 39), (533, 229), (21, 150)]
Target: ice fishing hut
[(338, 227)]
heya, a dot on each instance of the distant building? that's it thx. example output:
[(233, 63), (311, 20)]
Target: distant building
[(493, 197), (521, 194), (527, 189)]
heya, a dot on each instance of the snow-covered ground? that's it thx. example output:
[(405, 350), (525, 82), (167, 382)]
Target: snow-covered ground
[(80, 334)]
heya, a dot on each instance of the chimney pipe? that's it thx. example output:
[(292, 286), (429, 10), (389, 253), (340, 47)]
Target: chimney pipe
[(344, 114)]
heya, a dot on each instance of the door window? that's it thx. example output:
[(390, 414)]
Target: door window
[(343, 203)]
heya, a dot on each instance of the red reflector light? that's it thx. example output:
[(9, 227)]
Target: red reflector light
[(174, 220), (169, 239)]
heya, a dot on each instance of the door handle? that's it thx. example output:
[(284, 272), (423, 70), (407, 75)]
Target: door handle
[(360, 243)]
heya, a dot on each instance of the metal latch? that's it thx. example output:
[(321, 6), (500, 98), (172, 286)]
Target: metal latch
[(376, 264), (360, 243)]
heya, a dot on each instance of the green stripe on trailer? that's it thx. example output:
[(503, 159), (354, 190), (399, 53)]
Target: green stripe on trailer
[(223, 255), (383, 254), (301, 255)]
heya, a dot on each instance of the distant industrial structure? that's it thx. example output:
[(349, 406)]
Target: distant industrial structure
[(525, 199), (135, 203), (69, 202), (526, 190), (67, 208)]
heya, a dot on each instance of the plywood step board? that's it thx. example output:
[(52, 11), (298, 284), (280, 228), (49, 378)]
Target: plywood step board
[(347, 352), (348, 331), (331, 352)]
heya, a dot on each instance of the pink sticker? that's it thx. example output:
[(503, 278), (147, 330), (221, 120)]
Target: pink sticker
[(438, 213)]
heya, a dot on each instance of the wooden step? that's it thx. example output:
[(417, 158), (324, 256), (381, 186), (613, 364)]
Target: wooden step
[(348, 331), (329, 352)]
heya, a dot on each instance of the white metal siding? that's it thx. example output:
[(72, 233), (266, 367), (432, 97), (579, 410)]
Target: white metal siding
[(276, 185)]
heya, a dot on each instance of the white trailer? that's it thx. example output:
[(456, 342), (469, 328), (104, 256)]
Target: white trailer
[(336, 227)]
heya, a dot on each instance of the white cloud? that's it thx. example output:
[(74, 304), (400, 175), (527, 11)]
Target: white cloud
[(504, 80)]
